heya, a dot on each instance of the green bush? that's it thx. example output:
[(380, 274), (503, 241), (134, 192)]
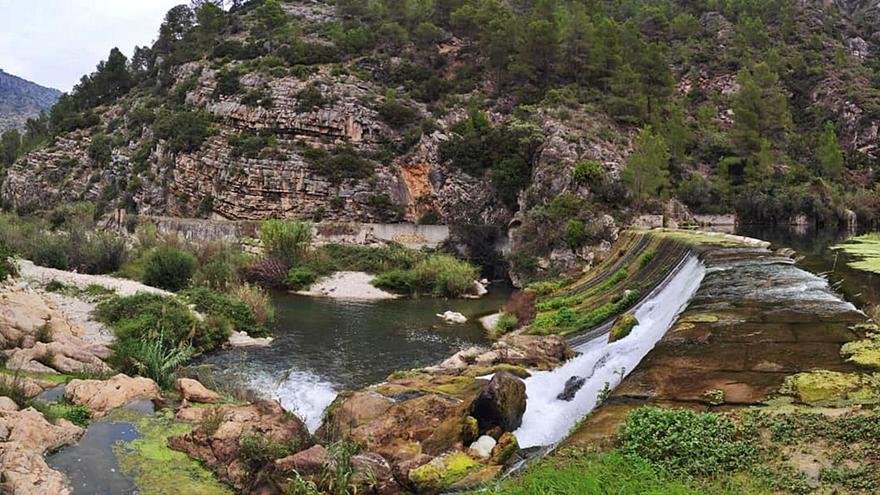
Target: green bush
[(260, 304), (684, 442), (286, 240), (439, 275), (300, 278), (506, 323), (169, 268), (225, 306), (588, 172), (575, 233), (184, 130), (51, 253), (7, 262)]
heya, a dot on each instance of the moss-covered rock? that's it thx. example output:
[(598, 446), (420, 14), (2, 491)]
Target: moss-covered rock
[(505, 449), (502, 403), (864, 352), (622, 327), (832, 388), (513, 369), (442, 472)]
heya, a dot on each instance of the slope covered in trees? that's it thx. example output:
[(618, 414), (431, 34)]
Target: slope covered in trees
[(546, 112)]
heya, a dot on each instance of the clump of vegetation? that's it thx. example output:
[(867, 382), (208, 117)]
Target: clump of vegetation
[(864, 251), (169, 268), (286, 240), (687, 443), (622, 327), (339, 164), (236, 311), (506, 323), (439, 275), (157, 334), (260, 305), (7, 262)]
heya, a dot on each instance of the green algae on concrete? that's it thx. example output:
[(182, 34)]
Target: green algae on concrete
[(864, 252), (833, 388), (158, 470)]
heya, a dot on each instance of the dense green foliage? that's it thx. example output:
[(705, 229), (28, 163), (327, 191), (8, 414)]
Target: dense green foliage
[(439, 275), (219, 305), (169, 268), (7, 262), (286, 240)]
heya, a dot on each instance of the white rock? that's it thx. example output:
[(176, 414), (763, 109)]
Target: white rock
[(483, 446), (453, 317), (242, 339)]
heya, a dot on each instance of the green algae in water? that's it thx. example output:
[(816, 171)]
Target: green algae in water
[(864, 251), (158, 470)]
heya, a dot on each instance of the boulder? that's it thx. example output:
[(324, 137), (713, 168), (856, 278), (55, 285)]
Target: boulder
[(502, 403), (218, 438), (102, 396), (71, 356), (571, 387), (242, 339), (350, 410), (505, 449), (452, 317), (7, 404), (31, 387), (30, 429), (306, 462), (25, 472), (482, 448), (194, 391), (374, 475), (622, 326), (442, 472)]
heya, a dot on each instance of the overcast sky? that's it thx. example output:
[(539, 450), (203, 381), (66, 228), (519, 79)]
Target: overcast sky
[(55, 42)]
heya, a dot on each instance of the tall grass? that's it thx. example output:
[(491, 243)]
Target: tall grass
[(439, 275), (285, 239)]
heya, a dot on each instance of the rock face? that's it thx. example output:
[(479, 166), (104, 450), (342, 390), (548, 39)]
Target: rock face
[(501, 404), (24, 437), (231, 440), (101, 397), (21, 100)]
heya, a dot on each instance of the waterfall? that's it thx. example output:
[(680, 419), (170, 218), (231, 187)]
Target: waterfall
[(301, 392), (547, 419)]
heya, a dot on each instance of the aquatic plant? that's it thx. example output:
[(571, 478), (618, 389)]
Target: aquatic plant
[(864, 252)]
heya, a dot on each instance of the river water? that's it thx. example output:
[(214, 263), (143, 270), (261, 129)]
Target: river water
[(323, 345)]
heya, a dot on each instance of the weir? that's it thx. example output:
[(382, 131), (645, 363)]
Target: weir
[(604, 365)]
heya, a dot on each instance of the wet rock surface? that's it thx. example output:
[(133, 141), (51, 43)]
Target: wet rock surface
[(102, 396)]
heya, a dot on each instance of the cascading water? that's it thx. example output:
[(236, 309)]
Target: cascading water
[(301, 392), (547, 419)]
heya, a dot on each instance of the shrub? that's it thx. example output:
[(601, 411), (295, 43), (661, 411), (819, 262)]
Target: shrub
[(227, 83), (343, 162), (286, 240), (216, 274), (300, 278), (146, 315), (225, 306), (260, 304), (169, 268), (439, 275), (255, 449), (575, 233), (185, 130), (7, 262), (684, 442), (506, 323), (51, 253), (588, 172), (268, 271)]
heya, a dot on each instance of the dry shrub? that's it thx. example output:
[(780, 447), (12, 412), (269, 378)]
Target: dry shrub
[(522, 305)]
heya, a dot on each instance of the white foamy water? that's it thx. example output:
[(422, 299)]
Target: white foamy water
[(547, 419), (300, 392)]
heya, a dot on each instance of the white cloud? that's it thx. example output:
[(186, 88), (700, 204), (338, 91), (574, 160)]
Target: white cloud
[(55, 42)]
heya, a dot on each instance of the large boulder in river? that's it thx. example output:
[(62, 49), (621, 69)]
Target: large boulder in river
[(102, 396), (501, 404), (350, 410), (240, 442)]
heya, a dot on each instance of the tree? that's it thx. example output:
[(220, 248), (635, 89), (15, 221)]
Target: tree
[(647, 168), (760, 111), (9, 145), (828, 153)]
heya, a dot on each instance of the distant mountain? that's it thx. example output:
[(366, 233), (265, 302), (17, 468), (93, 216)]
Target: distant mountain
[(21, 99)]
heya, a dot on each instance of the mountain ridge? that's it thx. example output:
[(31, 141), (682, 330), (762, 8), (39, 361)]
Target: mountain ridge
[(21, 100)]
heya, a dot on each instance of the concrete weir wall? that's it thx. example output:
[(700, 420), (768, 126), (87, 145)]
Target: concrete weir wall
[(207, 230)]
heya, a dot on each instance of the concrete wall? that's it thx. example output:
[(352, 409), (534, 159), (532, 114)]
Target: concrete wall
[(202, 230)]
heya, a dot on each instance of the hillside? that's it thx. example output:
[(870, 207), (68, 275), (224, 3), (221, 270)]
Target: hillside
[(559, 119), (21, 100)]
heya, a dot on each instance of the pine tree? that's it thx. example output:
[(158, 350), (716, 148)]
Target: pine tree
[(647, 168), (760, 111), (828, 154)]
